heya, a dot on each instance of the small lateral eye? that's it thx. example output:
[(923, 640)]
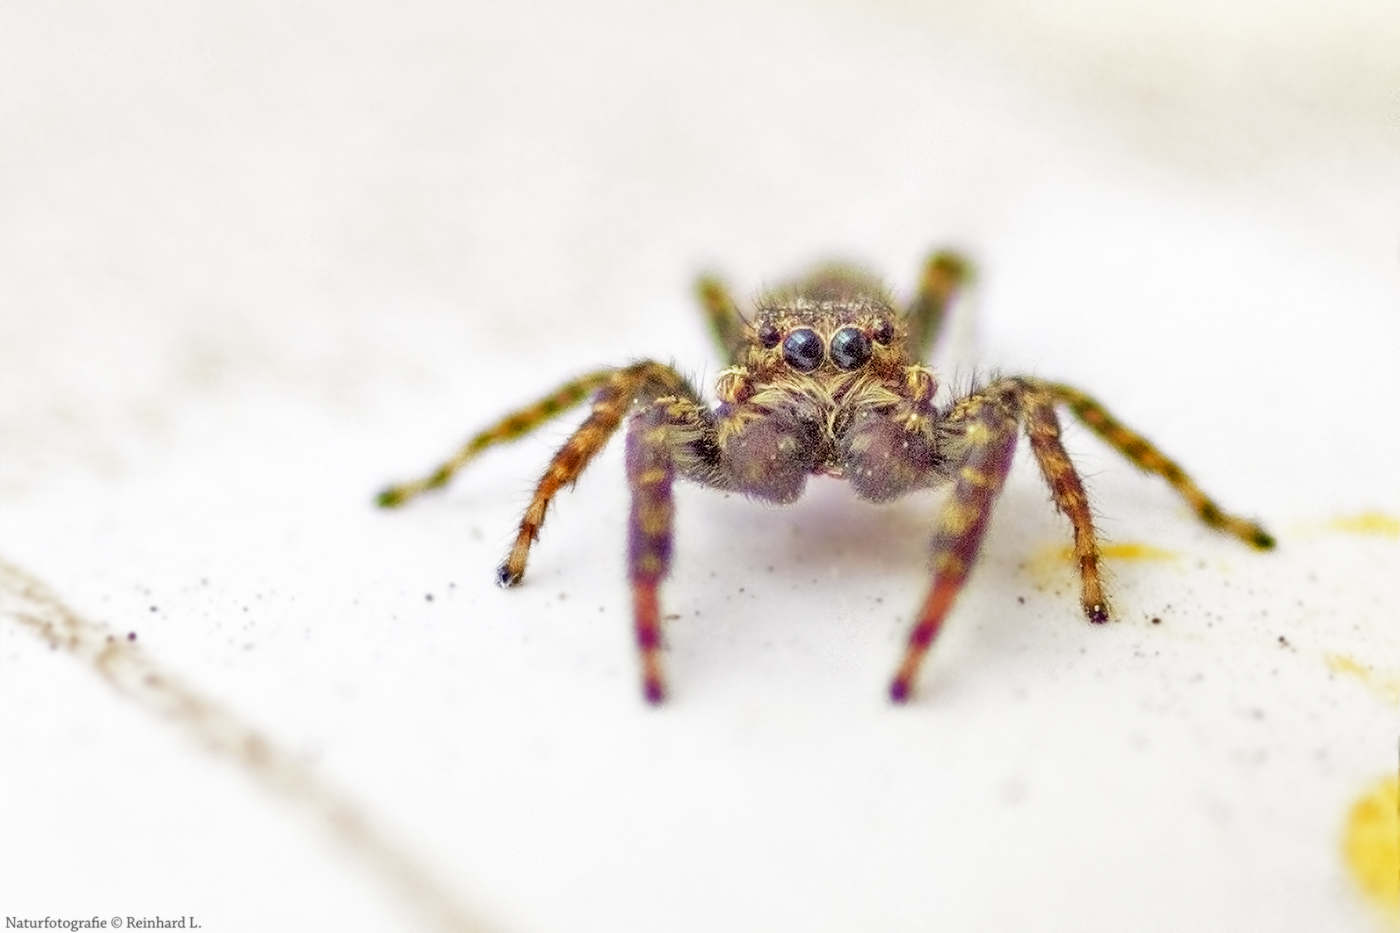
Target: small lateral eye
[(803, 350), (883, 332), (850, 348), (768, 335)]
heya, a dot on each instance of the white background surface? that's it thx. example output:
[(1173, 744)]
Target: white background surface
[(256, 260)]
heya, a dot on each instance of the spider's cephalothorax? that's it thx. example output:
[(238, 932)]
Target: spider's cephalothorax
[(824, 379)]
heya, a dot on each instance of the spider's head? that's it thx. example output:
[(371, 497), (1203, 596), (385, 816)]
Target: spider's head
[(811, 366), (803, 337), (837, 320), (815, 348)]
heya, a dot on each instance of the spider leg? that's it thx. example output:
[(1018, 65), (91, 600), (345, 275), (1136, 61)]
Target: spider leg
[(1144, 455), (1067, 489), (621, 389), (722, 314), (650, 474), (989, 439), (944, 274), (673, 435), (511, 427)]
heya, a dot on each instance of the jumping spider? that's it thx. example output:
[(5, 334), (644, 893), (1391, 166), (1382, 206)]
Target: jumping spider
[(824, 379)]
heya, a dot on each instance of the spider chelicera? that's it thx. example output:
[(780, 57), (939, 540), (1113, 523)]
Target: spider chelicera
[(824, 379)]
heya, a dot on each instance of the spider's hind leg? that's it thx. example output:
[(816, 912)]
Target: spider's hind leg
[(944, 274), (722, 314), (512, 427)]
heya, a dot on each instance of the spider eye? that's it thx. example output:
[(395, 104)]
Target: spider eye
[(883, 333), (850, 348), (768, 335), (803, 350)]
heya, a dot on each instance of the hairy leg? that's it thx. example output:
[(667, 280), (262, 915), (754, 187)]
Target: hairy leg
[(1143, 454), (990, 442), (650, 474), (641, 381), (1067, 489), (944, 274), (672, 436), (722, 314), (512, 427)]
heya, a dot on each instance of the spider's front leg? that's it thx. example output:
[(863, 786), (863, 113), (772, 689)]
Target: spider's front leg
[(621, 389), (982, 443), (991, 419), (671, 434)]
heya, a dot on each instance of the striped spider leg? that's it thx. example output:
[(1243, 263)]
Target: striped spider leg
[(670, 431), (980, 437), (824, 379)]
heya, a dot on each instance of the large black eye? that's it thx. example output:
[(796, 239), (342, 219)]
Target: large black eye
[(850, 348), (803, 350)]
